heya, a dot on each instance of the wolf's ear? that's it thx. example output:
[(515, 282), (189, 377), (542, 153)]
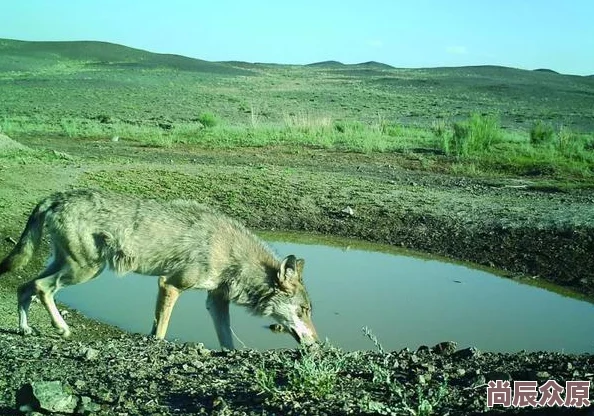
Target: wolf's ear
[(290, 273), (300, 263)]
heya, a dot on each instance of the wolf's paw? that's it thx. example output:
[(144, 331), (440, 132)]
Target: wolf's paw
[(64, 332), (26, 331)]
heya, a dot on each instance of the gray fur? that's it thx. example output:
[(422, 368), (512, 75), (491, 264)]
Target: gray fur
[(187, 244)]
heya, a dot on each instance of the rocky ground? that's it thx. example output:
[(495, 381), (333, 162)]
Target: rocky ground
[(538, 230), (133, 374)]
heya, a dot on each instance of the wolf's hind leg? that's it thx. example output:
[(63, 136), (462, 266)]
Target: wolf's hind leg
[(25, 294), (218, 307), (166, 299), (46, 288)]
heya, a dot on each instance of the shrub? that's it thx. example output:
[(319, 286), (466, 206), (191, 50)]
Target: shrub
[(484, 131), (208, 119), (475, 135), (541, 133)]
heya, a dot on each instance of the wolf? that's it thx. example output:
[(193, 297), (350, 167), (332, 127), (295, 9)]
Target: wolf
[(187, 244)]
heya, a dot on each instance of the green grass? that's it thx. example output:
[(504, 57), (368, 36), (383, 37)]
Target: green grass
[(303, 130), (475, 146), (541, 133), (473, 120), (476, 135), (87, 79), (316, 374), (208, 119), (313, 374), (478, 145)]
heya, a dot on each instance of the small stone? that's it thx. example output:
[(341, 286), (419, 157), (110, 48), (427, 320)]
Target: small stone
[(45, 395), (445, 348), (90, 354), (478, 380), (423, 349), (466, 353), (430, 368), (204, 352), (348, 210), (86, 405), (219, 404)]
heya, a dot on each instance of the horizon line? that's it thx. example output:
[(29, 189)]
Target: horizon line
[(333, 61)]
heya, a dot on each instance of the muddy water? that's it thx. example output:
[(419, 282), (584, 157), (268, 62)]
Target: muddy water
[(405, 301)]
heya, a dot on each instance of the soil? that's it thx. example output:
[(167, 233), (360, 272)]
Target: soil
[(538, 230), (133, 374)]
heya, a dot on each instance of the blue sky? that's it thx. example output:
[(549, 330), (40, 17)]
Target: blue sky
[(529, 34)]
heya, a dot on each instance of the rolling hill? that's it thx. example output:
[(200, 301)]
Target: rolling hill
[(89, 79), (18, 55)]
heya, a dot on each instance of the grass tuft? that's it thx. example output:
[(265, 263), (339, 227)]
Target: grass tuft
[(541, 133), (471, 137), (313, 374), (208, 119)]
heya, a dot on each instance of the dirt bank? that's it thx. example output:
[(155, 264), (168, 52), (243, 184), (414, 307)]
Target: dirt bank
[(529, 227)]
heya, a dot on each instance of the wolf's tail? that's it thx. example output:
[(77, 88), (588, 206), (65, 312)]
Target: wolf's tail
[(30, 239)]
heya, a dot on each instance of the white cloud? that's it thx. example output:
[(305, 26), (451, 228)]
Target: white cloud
[(457, 50), (375, 43)]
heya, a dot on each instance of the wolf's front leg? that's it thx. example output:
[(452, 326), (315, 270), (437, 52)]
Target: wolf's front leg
[(218, 307), (166, 299)]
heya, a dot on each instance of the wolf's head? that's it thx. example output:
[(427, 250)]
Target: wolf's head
[(291, 306)]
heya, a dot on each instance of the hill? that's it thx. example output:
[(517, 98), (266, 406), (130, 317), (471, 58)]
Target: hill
[(141, 87), (327, 64), (20, 55)]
